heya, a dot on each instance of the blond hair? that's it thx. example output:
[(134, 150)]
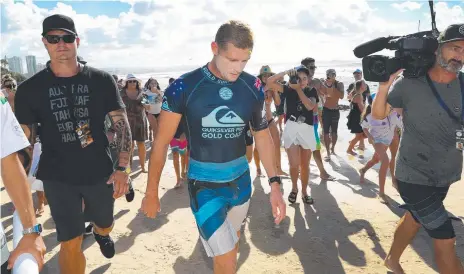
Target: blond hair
[(235, 32)]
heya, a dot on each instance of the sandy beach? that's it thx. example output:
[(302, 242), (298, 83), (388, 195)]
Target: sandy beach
[(347, 230)]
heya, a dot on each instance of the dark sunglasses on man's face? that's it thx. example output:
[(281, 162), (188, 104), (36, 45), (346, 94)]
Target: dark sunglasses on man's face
[(55, 39)]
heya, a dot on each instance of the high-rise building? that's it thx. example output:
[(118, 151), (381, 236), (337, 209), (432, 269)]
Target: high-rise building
[(15, 64), (31, 65), (40, 67)]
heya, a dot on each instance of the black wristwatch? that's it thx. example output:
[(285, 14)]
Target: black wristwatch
[(275, 179)]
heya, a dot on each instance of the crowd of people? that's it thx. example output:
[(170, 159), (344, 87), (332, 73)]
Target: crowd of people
[(217, 119)]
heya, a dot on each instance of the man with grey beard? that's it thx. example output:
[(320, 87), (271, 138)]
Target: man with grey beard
[(430, 154)]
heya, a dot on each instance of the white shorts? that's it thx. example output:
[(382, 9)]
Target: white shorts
[(299, 134)]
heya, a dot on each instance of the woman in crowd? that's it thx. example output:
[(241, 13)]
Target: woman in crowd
[(132, 96), (354, 117), (380, 134), (153, 100), (270, 97)]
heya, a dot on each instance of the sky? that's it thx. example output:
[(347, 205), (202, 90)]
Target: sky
[(175, 33)]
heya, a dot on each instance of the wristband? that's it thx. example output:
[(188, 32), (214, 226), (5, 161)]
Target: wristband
[(275, 179)]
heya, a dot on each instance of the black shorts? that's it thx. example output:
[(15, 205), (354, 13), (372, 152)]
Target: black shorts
[(425, 203), (65, 202), (248, 136), (330, 118)]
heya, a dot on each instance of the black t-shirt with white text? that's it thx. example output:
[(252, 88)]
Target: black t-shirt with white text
[(43, 99), (294, 105)]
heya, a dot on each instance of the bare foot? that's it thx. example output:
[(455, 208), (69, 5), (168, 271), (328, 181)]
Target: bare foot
[(383, 198), (351, 152), (39, 211), (327, 177), (281, 172), (327, 158), (259, 173), (179, 183), (361, 175), (360, 147), (393, 267), (144, 170), (183, 175), (332, 151)]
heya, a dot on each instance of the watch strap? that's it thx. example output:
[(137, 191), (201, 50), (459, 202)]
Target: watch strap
[(275, 179), (35, 229), (123, 169)]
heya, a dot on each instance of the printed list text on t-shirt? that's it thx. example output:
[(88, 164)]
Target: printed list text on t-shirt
[(61, 109)]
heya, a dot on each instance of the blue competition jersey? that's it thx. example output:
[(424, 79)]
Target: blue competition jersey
[(216, 113)]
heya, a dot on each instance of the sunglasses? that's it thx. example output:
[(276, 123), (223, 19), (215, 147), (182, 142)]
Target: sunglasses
[(132, 81), (55, 39), (10, 86)]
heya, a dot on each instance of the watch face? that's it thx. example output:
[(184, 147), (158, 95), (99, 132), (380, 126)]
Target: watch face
[(39, 228)]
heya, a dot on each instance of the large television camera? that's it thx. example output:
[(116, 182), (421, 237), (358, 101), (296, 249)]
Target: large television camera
[(415, 53)]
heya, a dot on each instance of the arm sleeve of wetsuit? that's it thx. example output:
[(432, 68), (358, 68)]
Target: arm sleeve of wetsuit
[(396, 95), (173, 99), (258, 116)]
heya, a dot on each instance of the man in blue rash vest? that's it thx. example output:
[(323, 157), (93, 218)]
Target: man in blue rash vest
[(216, 102)]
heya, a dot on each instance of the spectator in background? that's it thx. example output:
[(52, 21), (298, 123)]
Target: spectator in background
[(9, 86), (132, 96)]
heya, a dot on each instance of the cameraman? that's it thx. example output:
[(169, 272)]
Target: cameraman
[(430, 153), (298, 133)]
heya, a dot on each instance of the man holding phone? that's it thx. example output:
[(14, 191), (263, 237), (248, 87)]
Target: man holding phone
[(333, 92)]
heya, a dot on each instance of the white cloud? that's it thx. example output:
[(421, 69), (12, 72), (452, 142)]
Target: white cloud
[(178, 33), (407, 6)]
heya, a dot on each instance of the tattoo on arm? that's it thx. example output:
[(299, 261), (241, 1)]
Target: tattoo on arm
[(120, 125), (25, 155)]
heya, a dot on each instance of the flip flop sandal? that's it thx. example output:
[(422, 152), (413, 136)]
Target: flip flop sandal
[(292, 197), (308, 200)]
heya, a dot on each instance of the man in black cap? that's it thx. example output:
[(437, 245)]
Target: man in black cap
[(70, 101), (430, 153)]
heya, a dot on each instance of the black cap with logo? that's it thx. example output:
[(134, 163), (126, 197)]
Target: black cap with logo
[(452, 33), (58, 22)]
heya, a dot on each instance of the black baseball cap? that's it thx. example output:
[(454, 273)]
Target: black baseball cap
[(58, 22), (452, 33)]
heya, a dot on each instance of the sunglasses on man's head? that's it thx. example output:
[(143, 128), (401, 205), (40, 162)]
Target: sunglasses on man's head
[(55, 39)]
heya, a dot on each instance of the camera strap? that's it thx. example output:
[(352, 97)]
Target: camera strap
[(460, 120)]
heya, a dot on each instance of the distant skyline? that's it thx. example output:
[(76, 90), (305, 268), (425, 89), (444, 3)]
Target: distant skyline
[(163, 33)]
